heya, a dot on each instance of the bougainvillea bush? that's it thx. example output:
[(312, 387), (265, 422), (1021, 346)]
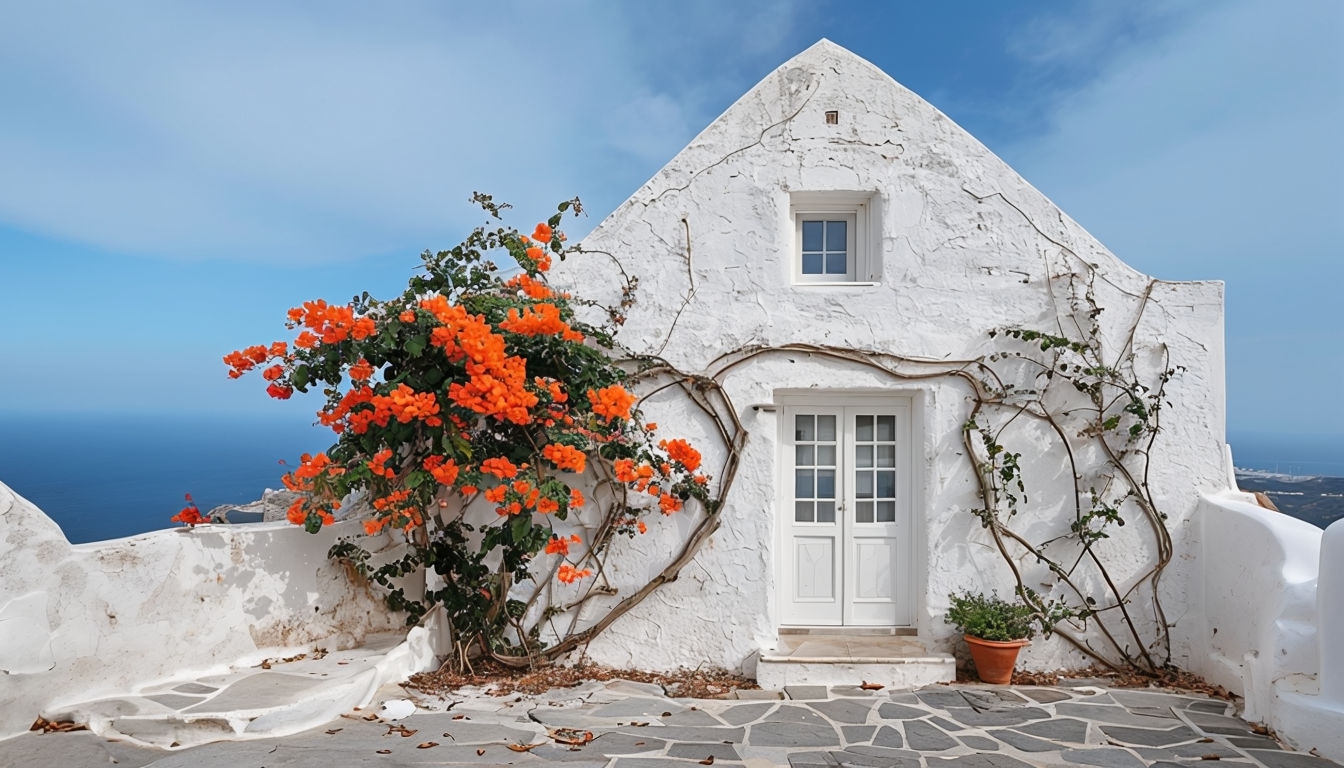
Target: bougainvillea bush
[(476, 389)]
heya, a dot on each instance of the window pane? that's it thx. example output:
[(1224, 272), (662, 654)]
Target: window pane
[(802, 484), (803, 428), (886, 428), (863, 513), (825, 483), (886, 484), (835, 235), (886, 511), (863, 428), (863, 483), (863, 456), (802, 512), (812, 235), (835, 264), (812, 264), (825, 512), (886, 455), (802, 455), (826, 429), (826, 455)]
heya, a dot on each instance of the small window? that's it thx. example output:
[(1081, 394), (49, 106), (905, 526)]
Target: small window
[(831, 243)]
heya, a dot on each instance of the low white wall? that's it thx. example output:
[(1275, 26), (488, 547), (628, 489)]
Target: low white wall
[(1263, 624), (79, 622)]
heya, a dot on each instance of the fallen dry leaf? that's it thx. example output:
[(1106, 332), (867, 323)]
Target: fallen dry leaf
[(480, 752), (525, 747), (867, 686), (427, 745), (570, 736), (461, 717), (384, 751), (708, 760), (333, 730), (371, 716)]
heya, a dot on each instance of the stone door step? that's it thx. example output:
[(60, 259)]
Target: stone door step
[(253, 702), (852, 659)]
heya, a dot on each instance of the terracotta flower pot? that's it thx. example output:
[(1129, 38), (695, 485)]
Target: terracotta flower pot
[(994, 660)]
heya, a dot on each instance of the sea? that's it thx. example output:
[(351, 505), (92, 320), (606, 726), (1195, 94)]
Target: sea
[(106, 476)]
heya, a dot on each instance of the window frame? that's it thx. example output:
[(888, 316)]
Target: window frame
[(854, 208)]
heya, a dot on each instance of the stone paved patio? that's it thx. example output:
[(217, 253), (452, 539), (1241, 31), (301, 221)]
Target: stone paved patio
[(634, 725)]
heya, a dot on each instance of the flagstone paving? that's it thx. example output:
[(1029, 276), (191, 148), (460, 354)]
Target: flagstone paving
[(622, 724)]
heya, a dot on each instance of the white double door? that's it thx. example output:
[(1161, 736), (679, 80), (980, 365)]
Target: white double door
[(846, 516)]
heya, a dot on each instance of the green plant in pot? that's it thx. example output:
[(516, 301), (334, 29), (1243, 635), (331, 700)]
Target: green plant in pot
[(995, 629)]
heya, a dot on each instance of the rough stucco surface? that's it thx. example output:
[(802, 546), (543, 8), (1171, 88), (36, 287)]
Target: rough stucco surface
[(966, 246), (82, 621)]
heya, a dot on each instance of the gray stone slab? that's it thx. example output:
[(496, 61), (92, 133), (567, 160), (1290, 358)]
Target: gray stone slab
[(812, 760), (1150, 737), (1253, 742), (888, 736), (900, 712), (845, 710), (689, 732), (741, 714), (1133, 699), (636, 707), (1280, 759), (795, 713), (691, 717), (979, 743), (1057, 729), (926, 737), (624, 744), (1045, 695), (876, 751), (1212, 706), (441, 725), (756, 695), (945, 724), (853, 692), (577, 717), (905, 697), (941, 697), (979, 761), (196, 688), (856, 734), (1024, 742), (992, 699), (1220, 724), (848, 759), (650, 762), (1111, 714), (632, 688), (772, 734), (260, 691), (1015, 716), (555, 753), (703, 751), (1105, 757), (73, 749), (807, 691)]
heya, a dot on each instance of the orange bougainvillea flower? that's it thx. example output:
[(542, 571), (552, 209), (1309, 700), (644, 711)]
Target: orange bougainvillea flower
[(361, 370), (543, 233), (407, 316), (669, 504), (279, 392), (560, 545), (576, 499), (377, 465), (569, 574), (499, 467), (565, 457), (444, 471), (682, 452), (611, 402)]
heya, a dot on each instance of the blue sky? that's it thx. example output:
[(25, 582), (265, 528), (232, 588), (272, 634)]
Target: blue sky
[(173, 176)]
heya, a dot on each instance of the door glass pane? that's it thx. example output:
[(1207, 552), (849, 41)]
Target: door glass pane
[(826, 429), (836, 233), (802, 511), (863, 484), (802, 455), (826, 455), (835, 264), (863, 456), (886, 511), (826, 484), (812, 263), (863, 428), (886, 428), (886, 484), (804, 428), (825, 512), (886, 455), (802, 484), (863, 512), (812, 240)]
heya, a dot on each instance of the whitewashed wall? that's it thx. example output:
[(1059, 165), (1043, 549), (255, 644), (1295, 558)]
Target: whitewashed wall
[(966, 245), (78, 622), (1267, 618)]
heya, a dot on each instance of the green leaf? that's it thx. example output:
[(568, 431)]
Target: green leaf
[(416, 345)]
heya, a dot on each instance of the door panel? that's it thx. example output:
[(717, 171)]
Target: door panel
[(846, 517)]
